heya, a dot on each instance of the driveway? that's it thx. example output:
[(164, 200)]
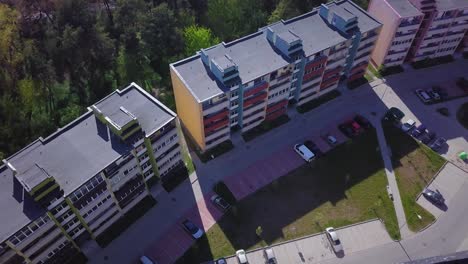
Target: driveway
[(448, 182), (316, 248)]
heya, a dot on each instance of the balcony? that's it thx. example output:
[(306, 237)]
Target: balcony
[(219, 124), (253, 100), (316, 62), (360, 67), (217, 133), (408, 33), (208, 119), (286, 82), (276, 106), (256, 89), (329, 73), (329, 82), (392, 52)]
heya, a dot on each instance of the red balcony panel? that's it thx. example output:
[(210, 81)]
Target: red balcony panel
[(329, 82), (315, 63), (356, 76), (254, 100), (313, 74), (223, 114), (255, 90), (276, 106), (216, 126), (331, 72), (358, 68), (276, 114)]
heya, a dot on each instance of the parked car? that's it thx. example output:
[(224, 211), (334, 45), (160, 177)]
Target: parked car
[(434, 95), (304, 152), (419, 131), (442, 92), (147, 260), (333, 238), (434, 197), (269, 256), (438, 143), (331, 140), (347, 130), (242, 256), (220, 202), (313, 147), (220, 261), (393, 114), (428, 137), (423, 95), (192, 229), (362, 121), (408, 125)]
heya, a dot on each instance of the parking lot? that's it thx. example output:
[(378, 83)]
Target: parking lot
[(316, 248), (448, 182)]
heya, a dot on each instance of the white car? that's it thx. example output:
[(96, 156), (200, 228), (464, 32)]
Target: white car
[(304, 152), (331, 140), (269, 256), (408, 125), (241, 256), (192, 229), (334, 240), (146, 260)]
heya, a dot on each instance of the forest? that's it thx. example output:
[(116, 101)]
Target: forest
[(58, 57)]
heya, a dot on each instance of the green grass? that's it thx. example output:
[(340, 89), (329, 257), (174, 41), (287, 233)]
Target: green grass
[(306, 201), (374, 71), (216, 151), (264, 127), (462, 115), (318, 101), (415, 165)]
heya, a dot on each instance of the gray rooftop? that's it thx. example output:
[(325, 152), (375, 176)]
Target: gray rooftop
[(255, 56), (404, 8), (17, 207), (72, 155), (119, 106), (443, 5), (86, 146)]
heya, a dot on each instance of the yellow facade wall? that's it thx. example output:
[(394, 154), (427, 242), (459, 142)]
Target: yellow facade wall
[(190, 112)]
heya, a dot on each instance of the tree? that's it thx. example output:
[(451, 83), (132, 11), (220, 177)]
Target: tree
[(284, 10), (196, 38)]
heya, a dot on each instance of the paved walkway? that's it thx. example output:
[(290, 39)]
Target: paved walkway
[(316, 248), (386, 156)]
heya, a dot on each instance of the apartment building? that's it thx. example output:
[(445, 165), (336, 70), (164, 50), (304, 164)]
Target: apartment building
[(70, 187), (414, 30), (240, 84)]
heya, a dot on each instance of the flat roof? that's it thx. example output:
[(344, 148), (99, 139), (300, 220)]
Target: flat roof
[(86, 146), (443, 5), (404, 8), (17, 207), (256, 57), (119, 106)]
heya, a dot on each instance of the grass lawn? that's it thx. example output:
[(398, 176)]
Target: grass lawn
[(306, 201), (462, 115), (415, 164), (374, 71)]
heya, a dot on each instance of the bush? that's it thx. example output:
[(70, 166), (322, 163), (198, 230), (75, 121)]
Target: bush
[(426, 63), (125, 221), (175, 177), (385, 71), (318, 101), (265, 127), (462, 115), (222, 190), (443, 111), (216, 151), (356, 83)]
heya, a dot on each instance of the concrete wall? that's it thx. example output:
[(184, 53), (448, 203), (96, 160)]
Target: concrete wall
[(190, 112), (381, 10)]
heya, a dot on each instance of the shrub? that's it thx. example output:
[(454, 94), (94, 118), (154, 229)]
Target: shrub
[(222, 190)]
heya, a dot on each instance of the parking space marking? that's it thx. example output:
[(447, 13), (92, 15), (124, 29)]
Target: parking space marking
[(447, 182)]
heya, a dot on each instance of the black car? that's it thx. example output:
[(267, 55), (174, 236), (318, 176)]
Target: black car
[(419, 131), (347, 130), (313, 147), (362, 121), (436, 145), (426, 139), (393, 114), (434, 197)]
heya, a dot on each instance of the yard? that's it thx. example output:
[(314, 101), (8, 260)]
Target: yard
[(415, 164), (345, 186)]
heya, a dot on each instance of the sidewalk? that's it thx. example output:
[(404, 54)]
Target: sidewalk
[(385, 151)]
